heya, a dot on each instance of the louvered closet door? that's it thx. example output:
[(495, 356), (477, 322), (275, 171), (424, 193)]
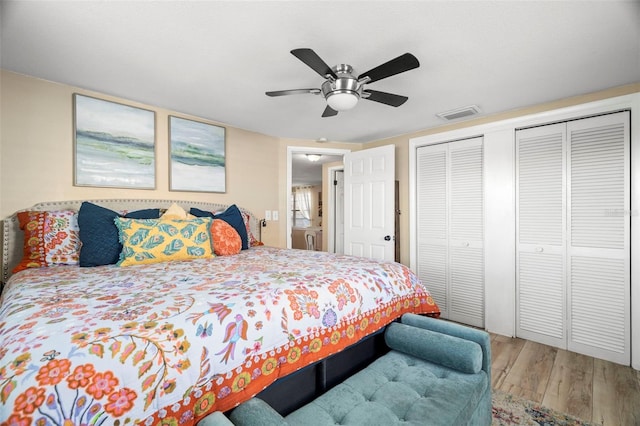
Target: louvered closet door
[(540, 221), (599, 237), (466, 232), (450, 224), (432, 223)]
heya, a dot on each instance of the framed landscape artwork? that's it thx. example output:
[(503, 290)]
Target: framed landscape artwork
[(197, 156), (114, 144)]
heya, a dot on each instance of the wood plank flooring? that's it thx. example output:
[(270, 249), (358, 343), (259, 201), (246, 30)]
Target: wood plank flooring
[(592, 389)]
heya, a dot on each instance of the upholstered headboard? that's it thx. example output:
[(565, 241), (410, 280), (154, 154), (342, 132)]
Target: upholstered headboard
[(12, 236)]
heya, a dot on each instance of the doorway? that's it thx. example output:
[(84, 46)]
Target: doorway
[(298, 168)]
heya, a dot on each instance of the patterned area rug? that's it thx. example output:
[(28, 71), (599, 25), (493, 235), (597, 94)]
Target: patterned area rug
[(511, 410)]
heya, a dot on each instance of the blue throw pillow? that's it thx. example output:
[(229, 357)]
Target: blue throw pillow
[(200, 213), (99, 234), (232, 216)]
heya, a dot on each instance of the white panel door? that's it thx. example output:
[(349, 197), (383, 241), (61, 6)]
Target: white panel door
[(369, 185), (540, 223), (450, 226), (599, 237)]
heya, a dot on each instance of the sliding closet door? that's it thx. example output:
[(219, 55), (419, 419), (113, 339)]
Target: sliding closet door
[(599, 237), (450, 224), (540, 221)]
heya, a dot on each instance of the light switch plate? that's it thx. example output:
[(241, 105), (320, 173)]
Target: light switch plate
[(274, 215), (267, 214)]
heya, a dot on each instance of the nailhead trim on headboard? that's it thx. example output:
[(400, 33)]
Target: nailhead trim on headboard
[(12, 236)]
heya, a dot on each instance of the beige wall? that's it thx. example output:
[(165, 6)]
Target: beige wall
[(36, 155), (402, 146)]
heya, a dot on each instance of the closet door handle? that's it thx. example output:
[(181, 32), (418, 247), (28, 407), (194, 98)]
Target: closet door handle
[(465, 244), (539, 249)]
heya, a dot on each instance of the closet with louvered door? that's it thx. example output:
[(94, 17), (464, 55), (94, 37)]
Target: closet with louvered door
[(540, 221), (450, 227), (573, 259)]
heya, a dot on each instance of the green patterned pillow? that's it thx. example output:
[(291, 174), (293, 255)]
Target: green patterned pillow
[(160, 240)]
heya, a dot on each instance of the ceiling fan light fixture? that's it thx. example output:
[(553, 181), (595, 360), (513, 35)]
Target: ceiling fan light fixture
[(342, 100), (313, 157)]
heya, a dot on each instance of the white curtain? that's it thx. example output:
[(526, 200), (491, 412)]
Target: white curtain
[(303, 201)]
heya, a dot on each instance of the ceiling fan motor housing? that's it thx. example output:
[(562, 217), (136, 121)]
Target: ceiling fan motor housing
[(345, 84)]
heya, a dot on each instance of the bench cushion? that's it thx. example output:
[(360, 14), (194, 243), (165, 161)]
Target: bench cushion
[(453, 352), (397, 389)]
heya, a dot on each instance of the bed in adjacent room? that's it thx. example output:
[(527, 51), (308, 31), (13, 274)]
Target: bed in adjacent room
[(173, 339)]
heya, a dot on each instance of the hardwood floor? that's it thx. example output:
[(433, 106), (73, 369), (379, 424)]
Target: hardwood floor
[(592, 389)]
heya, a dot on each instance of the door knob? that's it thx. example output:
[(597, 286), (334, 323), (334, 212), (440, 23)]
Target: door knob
[(387, 238)]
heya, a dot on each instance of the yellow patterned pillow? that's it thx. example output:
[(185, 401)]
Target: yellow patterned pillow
[(160, 240)]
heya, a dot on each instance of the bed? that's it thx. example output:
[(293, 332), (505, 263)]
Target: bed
[(170, 342)]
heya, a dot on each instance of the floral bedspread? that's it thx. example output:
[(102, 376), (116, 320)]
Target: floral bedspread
[(169, 343)]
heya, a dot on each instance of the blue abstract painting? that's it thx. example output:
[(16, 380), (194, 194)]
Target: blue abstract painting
[(114, 144), (197, 156)]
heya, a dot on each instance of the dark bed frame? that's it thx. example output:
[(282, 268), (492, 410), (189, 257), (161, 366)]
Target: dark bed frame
[(297, 389)]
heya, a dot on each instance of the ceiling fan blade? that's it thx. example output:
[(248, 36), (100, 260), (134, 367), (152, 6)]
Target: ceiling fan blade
[(395, 66), (385, 98), (329, 112), (293, 92), (311, 58)]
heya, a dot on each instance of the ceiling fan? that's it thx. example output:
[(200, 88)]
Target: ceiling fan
[(342, 89)]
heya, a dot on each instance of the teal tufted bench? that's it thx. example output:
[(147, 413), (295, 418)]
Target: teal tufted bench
[(437, 373)]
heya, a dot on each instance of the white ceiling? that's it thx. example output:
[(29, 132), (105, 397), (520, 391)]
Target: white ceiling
[(305, 172), (215, 59)]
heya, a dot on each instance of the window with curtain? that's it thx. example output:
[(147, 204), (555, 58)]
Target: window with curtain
[(301, 206)]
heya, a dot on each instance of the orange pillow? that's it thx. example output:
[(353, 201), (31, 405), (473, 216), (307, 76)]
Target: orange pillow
[(226, 240)]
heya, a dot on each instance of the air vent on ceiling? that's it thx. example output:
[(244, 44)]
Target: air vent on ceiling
[(459, 112)]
